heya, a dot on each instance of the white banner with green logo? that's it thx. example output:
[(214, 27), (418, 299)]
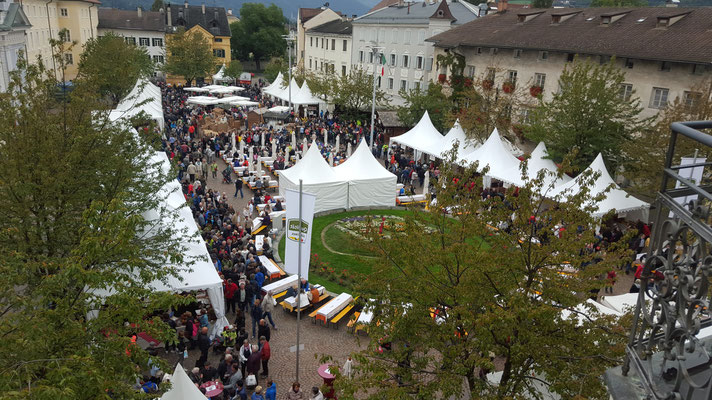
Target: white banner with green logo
[(293, 227)]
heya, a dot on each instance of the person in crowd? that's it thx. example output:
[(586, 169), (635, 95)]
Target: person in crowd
[(266, 354), (295, 393), (271, 391), (267, 308), (263, 330), (209, 372), (240, 391), (257, 395), (204, 346), (230, 289), (254, 361), (256, 314), (316, 394), (234, 378), (245, 353)]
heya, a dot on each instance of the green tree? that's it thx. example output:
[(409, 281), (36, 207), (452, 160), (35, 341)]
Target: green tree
[(73, 241), (234, 69), (258, 33), (114, 65), (542, 3), (432, 100), (588, 113), (323, 85), (646, 152), (274, 67), (188, 54), (354, 92), (157, 5), (490, 282), (619, 3)]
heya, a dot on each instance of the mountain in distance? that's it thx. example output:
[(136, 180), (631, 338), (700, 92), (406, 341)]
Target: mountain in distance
[(289, 7)]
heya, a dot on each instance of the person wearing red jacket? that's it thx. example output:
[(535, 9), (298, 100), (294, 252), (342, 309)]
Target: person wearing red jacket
[(266, 353), (230, 289)]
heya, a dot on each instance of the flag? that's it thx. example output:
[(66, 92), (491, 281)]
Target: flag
[(383, 71)]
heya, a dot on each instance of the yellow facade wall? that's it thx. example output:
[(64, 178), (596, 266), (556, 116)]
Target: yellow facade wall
[(216, 43)]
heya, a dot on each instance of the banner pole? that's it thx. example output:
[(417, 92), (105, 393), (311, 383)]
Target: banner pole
[(299, 276)]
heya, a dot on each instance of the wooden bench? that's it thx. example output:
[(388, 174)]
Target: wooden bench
[(279, 295), (335, 321), (352, 321)]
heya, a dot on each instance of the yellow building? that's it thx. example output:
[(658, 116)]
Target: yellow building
[(211, 22), (48, 17)]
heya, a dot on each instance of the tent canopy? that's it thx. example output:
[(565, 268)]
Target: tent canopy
[(182, 388), (363, 165), (370, 184), (423, 137), (457, 134), (220, 75), (274, 86), (145, 96), (304, 96), (615, 199), (538, 161), (503, 165)]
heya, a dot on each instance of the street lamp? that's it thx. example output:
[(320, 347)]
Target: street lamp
[(290, 39), (375, 50)]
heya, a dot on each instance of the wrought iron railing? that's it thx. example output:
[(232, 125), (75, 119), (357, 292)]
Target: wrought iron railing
[(673, 305)]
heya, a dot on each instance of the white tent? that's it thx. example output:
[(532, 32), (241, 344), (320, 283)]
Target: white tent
[(318, 178), (370, 184), (196, 89), (274, 86), (622, 302), (145, 96), (538, 161), (304, 96), (502, 164), (283, 92), (220, 75), (615, 199), (203, 100), (279, 109), (246, 103), (423, 137), (182, 388), (457, 134), (582, 312)]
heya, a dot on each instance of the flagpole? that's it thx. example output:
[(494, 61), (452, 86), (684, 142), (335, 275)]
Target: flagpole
[(299, 276), (374, 49)]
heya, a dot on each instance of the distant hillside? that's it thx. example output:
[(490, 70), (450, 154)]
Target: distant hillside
[(289, 7)]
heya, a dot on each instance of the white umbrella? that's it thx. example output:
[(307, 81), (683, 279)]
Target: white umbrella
[(259, 169), (348, 149), (250, 162), (262, 139), (242, 145), (426, 182), (313, 137), (325, 137), (306, 144), (294, 140), (274, 148), (331, 158), (232, 141), (338, 142)]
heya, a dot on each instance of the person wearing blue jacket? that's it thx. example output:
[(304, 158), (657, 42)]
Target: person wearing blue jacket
[(271, 392)]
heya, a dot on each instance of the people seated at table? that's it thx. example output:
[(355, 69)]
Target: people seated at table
[(278, 206)]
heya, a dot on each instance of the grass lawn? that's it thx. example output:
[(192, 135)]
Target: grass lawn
[(341, 242)]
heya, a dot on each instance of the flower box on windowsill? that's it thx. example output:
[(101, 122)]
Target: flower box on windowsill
[(535, 91), (442, 78), (508, 87), (487, 84)]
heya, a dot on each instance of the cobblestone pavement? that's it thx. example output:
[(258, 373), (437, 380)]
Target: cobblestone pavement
[(317, 339)]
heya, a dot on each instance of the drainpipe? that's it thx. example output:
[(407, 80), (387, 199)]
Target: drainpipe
[(49, 26), (91, 24)]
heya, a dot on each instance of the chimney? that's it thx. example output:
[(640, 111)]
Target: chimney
[(169, 21), (502, 5), (203, 7), (139, 12), (185, 5), (229, 11)]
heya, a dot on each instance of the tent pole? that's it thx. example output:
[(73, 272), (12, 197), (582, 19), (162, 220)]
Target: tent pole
[(299, 276)]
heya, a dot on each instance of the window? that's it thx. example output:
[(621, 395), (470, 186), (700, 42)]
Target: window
[(68, 58), (218, 40), (144, 41), (604, 59), (158, 59), (322, 42), (429, 67), (416, 85), (378, 82), (493, 51), (471, 71), (220, 53), (395, 35), (130, 40), (479, 50), (570, 57), (665, 66), (419, 62), (629, 63), (381, 35), (63, 12), (512, 76), (344, 45), (311, 41), (403, 84), (626, 91), (539, 80), (370, 57), (517, 53), (158, 42), (343, 70), (691, 99), (421, 36), (310, 63), (390, 83), (68, 38), (393, 60), (491, 74), (360, 56), (333, 44), (406, 61), (698, 69), (543, 55), (406, 37), (327, 44), (659, 97), (526, 116)]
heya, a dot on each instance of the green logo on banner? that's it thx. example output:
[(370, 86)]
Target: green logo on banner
[(293, 228)]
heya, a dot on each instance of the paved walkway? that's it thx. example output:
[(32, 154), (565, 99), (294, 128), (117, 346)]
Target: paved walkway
[(317, 339)]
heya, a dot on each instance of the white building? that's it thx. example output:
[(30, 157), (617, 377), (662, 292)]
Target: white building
[(308, 18), (401, 30), (328, 48), (13, 24), (142, 28)]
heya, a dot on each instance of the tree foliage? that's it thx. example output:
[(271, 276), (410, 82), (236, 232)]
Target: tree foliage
[(114, 65), (274, 67), (157, 5), (417, 101), (542, 3), (588, 113), (188, 54), (234, 69), (354, 92), (258, 33), (619, 3), (492, 281), (73, 241), (646, 152)]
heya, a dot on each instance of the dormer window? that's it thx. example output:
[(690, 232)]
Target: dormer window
[(606, 20), (440, 13), (611, 18), (522, 18), (561, 17), (663, 22), (555, 19)]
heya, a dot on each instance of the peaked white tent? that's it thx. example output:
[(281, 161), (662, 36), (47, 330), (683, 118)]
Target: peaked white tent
[(276, 85), (304, 96), (503, 165), (370, 184), (615, 199), (220, 75), (457, 134), (538, 161), (317, 178), (423, 137), (182, 388), (145, 96)]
